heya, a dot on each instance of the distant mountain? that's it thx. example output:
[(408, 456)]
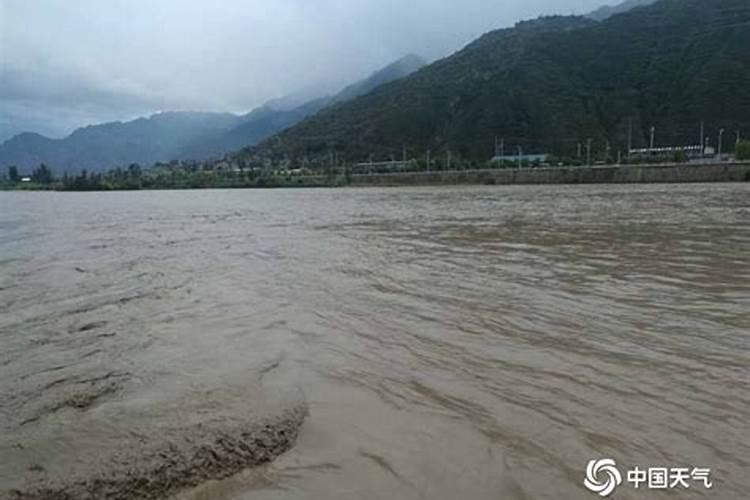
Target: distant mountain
[(98, 147), (608, 11), (394, 71), (178, 135), (275, 116), (252, 128), (299, 97), (550, 84)]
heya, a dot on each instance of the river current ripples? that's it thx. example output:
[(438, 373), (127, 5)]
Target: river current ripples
[(468, 342)]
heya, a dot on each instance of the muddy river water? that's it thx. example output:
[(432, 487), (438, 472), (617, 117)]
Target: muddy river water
[(469, 342)]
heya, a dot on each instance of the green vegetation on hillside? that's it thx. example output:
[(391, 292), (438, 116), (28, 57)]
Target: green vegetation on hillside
[(607, 11), (549, 86), (743, 150)]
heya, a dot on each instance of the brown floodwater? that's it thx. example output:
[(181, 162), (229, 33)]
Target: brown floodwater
[(468, 342)]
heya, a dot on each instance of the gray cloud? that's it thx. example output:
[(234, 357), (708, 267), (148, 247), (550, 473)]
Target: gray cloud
[(65, 63)]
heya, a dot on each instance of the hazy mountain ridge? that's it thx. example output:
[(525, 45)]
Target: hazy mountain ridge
[(607, 11), (394, 71), (97, 147), (176, 135), (549, 84), (270, 118)]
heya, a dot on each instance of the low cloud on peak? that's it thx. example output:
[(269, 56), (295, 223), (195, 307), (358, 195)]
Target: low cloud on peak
[(66, 64)]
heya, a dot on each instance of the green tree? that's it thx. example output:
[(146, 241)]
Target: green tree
[(679, 157), (42, 175), (81, 182), (135, 171), (743, 150), (13, 173)]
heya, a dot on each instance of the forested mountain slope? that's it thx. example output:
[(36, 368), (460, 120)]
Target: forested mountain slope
[(550, 84)]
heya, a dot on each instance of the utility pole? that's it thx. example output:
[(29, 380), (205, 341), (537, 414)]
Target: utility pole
[(588, 152), (653, 132), (331, 173), (721, 136), (520, 154), (630, 135), (606, 153), (500, 149), (579, 150), (619, 157)]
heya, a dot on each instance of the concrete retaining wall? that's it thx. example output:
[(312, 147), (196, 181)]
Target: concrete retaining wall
[(725, 172)]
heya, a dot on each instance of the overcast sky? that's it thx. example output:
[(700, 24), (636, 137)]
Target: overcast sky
[(68, 63)]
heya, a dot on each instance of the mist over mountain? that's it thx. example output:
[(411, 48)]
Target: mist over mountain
[(64, 65), (546, 85), (275, 116), (99, 147), (179, 135), (551, 84), (395, 71), (607, 11)]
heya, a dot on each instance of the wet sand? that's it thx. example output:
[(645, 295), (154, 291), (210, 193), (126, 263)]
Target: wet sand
[(149, 449)]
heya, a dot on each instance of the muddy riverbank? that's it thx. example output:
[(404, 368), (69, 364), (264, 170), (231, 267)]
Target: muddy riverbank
[(135, 456)]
